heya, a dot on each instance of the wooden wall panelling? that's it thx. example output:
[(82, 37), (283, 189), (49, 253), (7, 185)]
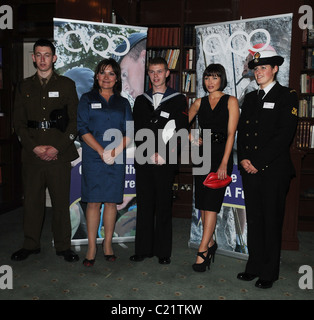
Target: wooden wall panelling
[(203, 11), (126, 11), (160, 12), (90, 10)]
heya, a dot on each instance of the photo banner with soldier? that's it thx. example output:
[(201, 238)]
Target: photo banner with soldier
[(233, 44), (80, 46)]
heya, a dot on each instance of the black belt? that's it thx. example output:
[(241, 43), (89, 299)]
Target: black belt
[(216, 137), (41, 124)]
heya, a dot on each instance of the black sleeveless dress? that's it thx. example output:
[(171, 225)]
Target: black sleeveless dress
[(216, 120)]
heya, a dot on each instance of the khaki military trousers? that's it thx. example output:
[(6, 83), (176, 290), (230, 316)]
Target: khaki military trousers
[(36, 178)]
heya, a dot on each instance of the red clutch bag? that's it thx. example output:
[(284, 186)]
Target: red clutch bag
[(213, 182)]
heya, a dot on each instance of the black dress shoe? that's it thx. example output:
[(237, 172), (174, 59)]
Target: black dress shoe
[(263, 284), (68, 255), (164, 260), (140, 257), (246, 276), (22, 254)]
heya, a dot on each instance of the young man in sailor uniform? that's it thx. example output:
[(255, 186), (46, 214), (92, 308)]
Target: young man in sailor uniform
[(160, 110)]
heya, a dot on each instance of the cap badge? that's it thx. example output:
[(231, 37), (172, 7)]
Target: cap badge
[(257, 55)]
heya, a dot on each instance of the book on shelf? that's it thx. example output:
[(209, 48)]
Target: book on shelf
[(170, 55), (190, 100), (305, 134), (306, 107), (189, 37), (308, 58), (188, 82), (173, 59), (308, 36), (189, 59), (307, 83), (163, 37)]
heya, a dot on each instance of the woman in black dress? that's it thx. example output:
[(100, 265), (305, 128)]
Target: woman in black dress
[(220, 113)]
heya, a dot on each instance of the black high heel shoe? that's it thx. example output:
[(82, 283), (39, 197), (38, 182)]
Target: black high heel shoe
[(90, 263), (212, 251), (201, 267), (108, 257)]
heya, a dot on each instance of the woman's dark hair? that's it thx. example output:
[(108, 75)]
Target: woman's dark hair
[(116, 69), (215, 69)]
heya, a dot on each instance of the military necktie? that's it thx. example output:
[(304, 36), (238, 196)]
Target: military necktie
[(44, 80), (260, 96)]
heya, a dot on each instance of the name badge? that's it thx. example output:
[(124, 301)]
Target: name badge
[(96, 105), (268, 105), (53, 94), (164, 114)]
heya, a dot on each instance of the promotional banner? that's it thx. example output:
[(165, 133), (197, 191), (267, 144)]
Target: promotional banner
[(80, 46), (233, 44)]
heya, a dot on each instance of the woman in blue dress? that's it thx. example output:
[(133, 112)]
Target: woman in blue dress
[(103, 121)]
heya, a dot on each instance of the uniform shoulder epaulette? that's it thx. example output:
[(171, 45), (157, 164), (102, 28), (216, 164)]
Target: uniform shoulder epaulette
[(293, 90)]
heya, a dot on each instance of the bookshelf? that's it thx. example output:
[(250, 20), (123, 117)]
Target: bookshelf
[(305, 131), (177, 46), (304, 139), (165, 42), (188, 73)]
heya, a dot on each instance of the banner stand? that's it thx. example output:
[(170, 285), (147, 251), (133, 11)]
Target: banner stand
[(233, 44), (80, 46)]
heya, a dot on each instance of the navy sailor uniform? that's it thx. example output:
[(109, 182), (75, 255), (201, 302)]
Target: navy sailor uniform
[(265, 131)]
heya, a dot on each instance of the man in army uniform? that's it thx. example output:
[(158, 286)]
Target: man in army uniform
[(45, 122), (266, 129)]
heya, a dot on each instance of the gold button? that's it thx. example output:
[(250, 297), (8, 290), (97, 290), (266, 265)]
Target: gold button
[(246, 147), (255, 147), (255, 134), (247, 121), (247, 134)]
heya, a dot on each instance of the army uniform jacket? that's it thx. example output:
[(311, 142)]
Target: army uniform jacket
[(266, 129), (173, 106), (34, 103)]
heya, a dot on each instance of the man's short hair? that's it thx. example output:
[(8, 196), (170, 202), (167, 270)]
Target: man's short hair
[(158, 60), (44, 43)]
